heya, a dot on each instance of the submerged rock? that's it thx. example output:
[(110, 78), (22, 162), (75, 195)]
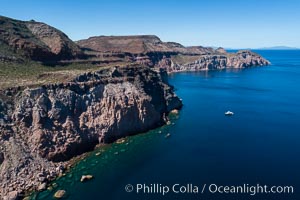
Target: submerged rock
[(86, 178), (120, 141), (175, 111), (59, 194), (98, 154)]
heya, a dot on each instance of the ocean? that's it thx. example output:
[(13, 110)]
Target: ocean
[(207, 151)]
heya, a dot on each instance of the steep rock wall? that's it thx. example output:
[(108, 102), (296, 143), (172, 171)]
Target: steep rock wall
[(52, 123)]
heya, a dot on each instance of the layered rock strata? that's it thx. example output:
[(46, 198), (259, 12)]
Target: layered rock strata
[(241, 59)]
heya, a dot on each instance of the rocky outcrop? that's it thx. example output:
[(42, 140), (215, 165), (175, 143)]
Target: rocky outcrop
[(241, 59), (246, 58), (35, 40), (50, 124), (59, 194), (86, 178), (221, 50)]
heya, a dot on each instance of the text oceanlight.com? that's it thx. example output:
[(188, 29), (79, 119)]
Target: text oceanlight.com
[(189, 188)]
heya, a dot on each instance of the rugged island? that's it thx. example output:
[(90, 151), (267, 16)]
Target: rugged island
[(59, 98)]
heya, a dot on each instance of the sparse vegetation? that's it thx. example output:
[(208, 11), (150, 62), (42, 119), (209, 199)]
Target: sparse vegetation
[(182, 59), (34, 74)]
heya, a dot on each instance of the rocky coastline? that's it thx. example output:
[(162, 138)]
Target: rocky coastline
[(43, 127), (239, 60), (48, 125)]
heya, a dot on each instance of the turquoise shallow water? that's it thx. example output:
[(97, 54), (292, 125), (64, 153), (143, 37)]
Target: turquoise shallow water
[(259, 144)]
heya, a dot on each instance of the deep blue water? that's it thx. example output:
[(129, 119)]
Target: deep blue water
[(260, 144)]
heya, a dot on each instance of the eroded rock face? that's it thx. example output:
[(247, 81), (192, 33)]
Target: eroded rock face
[(245, 58), (69, 120), (241, 59), (52, 123)]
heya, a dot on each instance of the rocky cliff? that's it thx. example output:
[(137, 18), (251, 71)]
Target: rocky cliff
[(151, 51), (241, 59), (45, 126)]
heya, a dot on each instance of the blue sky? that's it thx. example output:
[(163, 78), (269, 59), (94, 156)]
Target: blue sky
[(227, 23)]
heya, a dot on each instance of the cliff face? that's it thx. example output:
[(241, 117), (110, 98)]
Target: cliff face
[(245, 58), (52, 123), (34, 40), (241, 59)]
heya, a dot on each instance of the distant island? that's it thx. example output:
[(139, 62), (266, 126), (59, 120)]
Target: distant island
[(278, 48), (262, 48)]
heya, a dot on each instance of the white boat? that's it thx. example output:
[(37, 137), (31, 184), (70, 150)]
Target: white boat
[(229, 113)]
